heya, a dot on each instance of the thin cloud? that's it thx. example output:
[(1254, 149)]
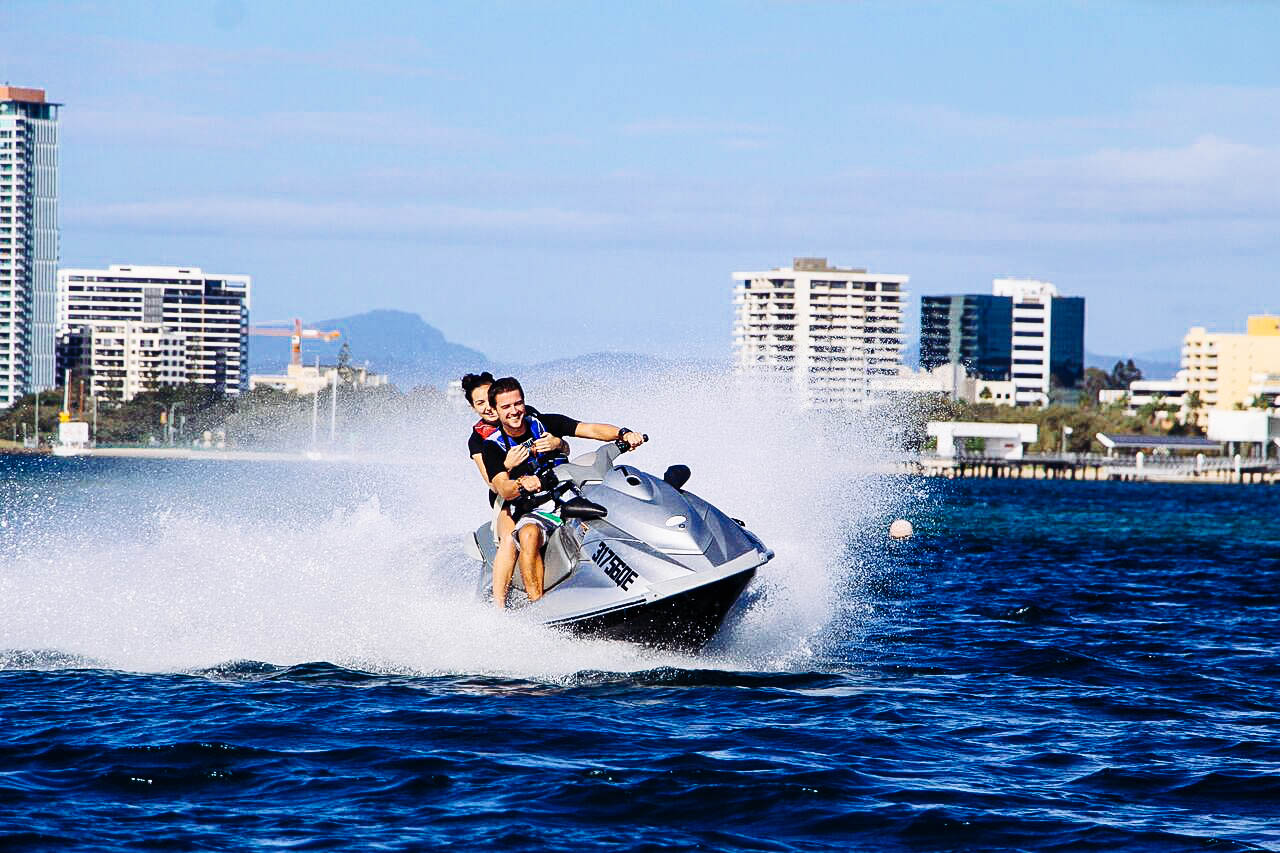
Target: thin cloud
[(396, 57), (743, 136), (1165, 113), (692, 127), (155, 124), (321, 218)]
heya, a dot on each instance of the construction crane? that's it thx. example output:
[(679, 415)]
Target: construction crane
[(295, 337)]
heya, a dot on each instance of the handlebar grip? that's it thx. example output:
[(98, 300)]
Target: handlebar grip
[(624, 447)]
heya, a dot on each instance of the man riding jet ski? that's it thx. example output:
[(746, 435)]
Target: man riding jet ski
[(523, 442), (628, 555)]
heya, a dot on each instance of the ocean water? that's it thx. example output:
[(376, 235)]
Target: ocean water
[(237, 656)]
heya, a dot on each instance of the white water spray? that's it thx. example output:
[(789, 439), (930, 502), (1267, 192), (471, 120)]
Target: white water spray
[(362, 564)]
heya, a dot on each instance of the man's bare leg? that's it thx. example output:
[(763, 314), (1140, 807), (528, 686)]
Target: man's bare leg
[(531, 566), (504, 562)]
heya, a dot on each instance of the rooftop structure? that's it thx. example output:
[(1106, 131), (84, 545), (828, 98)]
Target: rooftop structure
[(28, 241), (305, 380), (1144, 392), (1255, 431), (998, 440), (835, 332), (1117, 441)]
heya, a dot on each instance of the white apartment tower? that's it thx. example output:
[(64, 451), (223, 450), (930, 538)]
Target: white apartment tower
[(836, 332), (121, 360), (1032, 304), (28, 241), (209, 312)]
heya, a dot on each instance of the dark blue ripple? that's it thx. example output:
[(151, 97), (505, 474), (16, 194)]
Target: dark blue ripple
[(1046, 666)]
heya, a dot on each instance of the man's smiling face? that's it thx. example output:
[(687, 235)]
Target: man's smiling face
[(510, 408)]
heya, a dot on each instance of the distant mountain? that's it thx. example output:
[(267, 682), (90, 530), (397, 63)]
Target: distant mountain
[(612, 369), (620, 364), (397, 343), (413, 352)]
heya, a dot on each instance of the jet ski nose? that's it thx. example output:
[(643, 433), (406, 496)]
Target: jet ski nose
[(632, 484), (657, 513)]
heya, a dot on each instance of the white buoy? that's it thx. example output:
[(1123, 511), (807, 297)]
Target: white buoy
[(901, 529)]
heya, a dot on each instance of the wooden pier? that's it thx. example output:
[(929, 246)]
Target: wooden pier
[(1097, 467)]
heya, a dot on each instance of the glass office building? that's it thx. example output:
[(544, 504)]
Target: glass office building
[(973, 330)]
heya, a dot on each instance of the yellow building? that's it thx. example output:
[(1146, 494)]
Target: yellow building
[(1222, 366)]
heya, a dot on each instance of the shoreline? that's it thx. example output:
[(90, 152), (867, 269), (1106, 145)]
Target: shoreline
[(1250, 472), (1254, 472), (184, 453)]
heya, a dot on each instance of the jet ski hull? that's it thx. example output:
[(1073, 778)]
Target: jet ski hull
[(684, 621), (651, 563)]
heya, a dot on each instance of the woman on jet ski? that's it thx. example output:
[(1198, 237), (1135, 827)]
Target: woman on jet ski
[(476, 388), (529, 439)]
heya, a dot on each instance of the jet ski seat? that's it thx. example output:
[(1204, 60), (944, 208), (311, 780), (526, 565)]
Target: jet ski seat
[(562, 553)]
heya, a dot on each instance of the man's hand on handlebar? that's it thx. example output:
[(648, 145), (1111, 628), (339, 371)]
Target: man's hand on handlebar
[(633, 439), (515, 456), (547, 444), (531, 484)]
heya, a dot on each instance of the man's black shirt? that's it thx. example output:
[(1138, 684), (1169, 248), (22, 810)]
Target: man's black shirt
[(475, 445)]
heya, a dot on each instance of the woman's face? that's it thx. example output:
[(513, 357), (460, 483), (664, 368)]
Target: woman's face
[(480, 402)]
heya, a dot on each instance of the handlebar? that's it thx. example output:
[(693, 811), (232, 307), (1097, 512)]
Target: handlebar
[(624, 447), (546, 472)]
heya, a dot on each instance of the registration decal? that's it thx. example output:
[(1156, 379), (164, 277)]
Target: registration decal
[(617, 570)]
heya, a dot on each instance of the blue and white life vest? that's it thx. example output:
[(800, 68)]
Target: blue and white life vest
[(536, 431)]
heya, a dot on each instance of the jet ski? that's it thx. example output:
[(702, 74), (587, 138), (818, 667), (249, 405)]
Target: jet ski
[(634, 557)]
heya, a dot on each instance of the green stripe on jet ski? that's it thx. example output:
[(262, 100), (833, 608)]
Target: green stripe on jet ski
[(551, 517)]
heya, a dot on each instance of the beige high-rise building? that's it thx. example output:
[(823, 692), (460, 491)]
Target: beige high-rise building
[(1223, 366)]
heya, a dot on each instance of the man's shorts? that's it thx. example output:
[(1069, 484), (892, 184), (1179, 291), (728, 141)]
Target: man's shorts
[(545, 521)]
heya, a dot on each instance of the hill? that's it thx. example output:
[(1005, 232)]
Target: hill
[(1156, 364), (397, 343), (413, 352)]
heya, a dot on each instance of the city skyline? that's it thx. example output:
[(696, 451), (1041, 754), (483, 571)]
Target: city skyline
[(1124, 152)]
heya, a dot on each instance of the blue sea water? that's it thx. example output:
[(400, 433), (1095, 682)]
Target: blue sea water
[(1045, 666)]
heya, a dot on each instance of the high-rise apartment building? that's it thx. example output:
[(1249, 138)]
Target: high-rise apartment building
[(973, 330), (1230, 369), (28, 241), (836, 332), (210, 312), (1048, 338)]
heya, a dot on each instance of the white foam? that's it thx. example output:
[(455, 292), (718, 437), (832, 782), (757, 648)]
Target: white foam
[(153, 573)]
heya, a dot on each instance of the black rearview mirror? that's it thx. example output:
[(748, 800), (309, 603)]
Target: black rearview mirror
[(677, 476), (582, 509)]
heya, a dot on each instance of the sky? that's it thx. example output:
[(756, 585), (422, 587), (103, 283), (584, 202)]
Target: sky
[(550, 179)]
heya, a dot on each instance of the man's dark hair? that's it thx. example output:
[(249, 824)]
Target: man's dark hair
[(472, 381), (502, 386)]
